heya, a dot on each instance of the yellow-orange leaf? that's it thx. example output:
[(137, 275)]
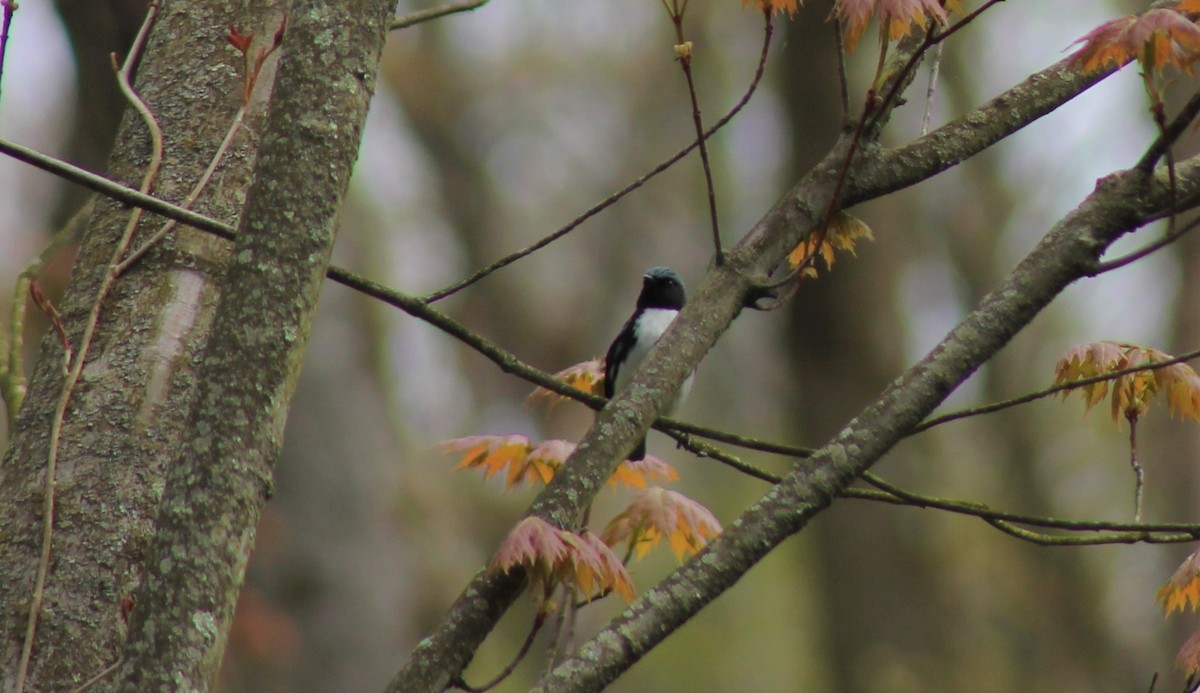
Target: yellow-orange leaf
[(841, 233), (1132, 392), (514, 454), (658, 513), (1183, 589), (587, 376), (774, 6), (636, 473)]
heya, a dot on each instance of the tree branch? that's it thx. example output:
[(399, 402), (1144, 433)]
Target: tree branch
[(1120, 203)]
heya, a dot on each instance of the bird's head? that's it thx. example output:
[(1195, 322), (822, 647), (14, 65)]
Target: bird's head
[(662, 288)]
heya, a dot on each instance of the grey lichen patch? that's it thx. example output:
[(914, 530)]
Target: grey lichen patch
[(206, 625)]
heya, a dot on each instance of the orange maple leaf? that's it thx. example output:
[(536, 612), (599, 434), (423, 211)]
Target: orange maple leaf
[(775, 6), (1183, 589), (841, 233), (1132, 392), (552, 556), (657, 512), (635, 473), (897, 18), (587, 376), (1157, 38), (523, 460)]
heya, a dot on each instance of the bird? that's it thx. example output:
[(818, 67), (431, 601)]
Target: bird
[(659, 302)]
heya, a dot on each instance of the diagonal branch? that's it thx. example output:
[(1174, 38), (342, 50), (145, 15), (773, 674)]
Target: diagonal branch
[(1120, 203), (717, 302)]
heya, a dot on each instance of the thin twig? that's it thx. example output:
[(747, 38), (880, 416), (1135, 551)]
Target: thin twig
[(1154, 247), (612, 199), (843, 78), (12, 377), (194, 195), (114, 190), (933, 38), (9, 8), (1170, 134), (683, 49), (1166, 532), (508, 670), (1047, 392), (98, 677), (421, 16), (930, 92), (56, 424), (1139, 472)]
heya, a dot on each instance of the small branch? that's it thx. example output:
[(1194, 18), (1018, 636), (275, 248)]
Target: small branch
[(104, 673), (933, 38), (421, 16), (12, 376), (927, 117), (114, 190), (9, 8), (683, 49), (1047, 392), (238, 119), (1139, 472), (1167, 239), (1170, 134), (843, 80), (512, 666), (611, 199), (1123, 532)]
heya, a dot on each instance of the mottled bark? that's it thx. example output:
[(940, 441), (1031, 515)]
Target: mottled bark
[(127, 414), (216, 489)]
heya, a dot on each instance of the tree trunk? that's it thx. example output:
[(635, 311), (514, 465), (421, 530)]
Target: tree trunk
[(142, 409)]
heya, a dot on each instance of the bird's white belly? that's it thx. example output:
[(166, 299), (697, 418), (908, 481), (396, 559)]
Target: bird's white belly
[(652, 325)]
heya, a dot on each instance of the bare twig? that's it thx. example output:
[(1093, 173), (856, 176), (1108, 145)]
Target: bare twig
[(931, 91), (194, 195), (1047, 392), (114, 190), (1121, 532), (421, 16), (12, 376), (512, 666), (1139, 472), (56, 424), (611, 199), (105, 672), (1167, 239), (8, 7)]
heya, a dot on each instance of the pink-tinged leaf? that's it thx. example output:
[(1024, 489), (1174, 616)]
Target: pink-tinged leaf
[(533, 543), (1188, 659), (1157, 38), (657, 513)]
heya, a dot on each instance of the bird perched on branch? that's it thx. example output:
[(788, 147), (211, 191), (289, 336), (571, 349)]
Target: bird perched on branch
[(661, 298)]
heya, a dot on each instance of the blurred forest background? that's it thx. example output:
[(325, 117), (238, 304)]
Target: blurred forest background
[(496, 127)]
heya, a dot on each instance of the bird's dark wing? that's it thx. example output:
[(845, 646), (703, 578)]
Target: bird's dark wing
[(618, 352)]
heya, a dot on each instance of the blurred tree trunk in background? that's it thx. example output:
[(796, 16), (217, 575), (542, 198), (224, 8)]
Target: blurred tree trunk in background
[(97, 29)]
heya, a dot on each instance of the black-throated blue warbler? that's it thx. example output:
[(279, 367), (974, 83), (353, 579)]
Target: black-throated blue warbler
[(659, 302)]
